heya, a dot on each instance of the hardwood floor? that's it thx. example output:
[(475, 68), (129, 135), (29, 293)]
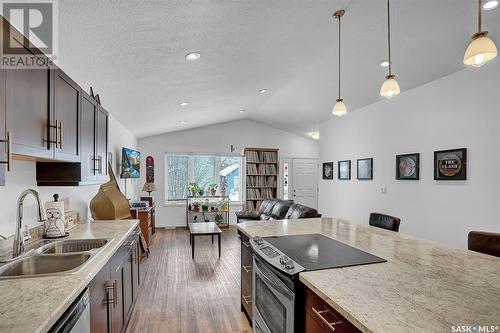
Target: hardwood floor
[(181, 294)]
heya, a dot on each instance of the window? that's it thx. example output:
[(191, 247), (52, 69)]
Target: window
[(182, 169)]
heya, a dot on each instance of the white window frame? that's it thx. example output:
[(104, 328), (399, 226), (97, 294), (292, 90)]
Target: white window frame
[(191, 155)]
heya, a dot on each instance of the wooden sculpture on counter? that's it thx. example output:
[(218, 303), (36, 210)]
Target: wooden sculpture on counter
[(110, 203)]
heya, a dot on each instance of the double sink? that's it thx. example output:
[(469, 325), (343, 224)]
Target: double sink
[(53, 257)]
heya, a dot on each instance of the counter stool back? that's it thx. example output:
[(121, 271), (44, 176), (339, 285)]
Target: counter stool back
[(484, 242), (384, 221)]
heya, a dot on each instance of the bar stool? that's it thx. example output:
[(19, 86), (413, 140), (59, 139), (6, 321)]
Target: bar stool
[(484, 242), (384, 221)]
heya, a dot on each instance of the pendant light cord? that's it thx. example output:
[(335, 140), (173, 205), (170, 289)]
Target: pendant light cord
[(339, 56), (389, 35), (479, 16)]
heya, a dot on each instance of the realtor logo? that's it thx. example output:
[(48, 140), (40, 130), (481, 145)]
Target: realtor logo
[(32, 32)]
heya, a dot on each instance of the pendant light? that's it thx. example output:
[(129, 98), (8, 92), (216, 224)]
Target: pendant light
[(390, 87), (482, 49), (339, 109)]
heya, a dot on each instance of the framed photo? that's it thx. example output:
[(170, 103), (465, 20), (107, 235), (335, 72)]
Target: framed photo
[(365, 169), (328, 170), (408, 167), (344, 172), (450, 164)]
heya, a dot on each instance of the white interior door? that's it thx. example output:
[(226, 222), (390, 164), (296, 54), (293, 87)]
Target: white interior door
[(305, 182)]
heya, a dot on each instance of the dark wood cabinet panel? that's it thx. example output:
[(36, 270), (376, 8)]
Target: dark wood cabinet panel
[(28, 111), (102, 143), (128, 287), (67, 117), (321, 317), (246, 276), (87, 138), (3, 131), (99, 300)]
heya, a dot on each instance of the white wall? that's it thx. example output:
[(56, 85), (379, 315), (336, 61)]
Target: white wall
[(23, 176), (460, 110), (216, 139)]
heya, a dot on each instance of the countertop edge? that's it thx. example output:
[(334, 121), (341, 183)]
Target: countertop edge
[(70, 299)]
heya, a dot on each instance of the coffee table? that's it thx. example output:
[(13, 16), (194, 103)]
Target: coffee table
[(203, 229)]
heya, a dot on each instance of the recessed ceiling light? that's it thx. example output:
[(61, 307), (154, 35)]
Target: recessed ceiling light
[(384, 63), (242, 111), (193, 56), (184, 103), (314, 135), (183, 122), (262, 91), (490, 4)]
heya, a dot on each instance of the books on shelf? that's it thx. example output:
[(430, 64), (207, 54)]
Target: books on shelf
[(253, 193), (269, 156), (270, 181), (252, 169), (267, 169), (252, 156), (253, 205)]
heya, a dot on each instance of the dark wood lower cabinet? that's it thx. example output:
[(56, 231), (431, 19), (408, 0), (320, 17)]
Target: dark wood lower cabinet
[(113, 291), (321, 317), (246, 276)]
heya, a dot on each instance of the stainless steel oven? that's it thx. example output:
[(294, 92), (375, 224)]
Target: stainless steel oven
[(274, 301)]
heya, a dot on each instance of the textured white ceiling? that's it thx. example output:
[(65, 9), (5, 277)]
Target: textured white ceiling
[(132, 53)]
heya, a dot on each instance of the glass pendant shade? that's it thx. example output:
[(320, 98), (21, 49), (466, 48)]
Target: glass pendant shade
[(339, 109), (481, 50), (390, 87)]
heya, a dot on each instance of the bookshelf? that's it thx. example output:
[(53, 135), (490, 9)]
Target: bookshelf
[(262, 170)]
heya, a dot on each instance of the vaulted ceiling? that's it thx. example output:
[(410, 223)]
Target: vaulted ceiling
[(132, 53)]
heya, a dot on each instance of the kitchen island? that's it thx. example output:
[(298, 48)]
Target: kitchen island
[(33, 304), (423, 287)]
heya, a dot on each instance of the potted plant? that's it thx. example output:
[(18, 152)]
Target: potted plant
[(223, 206), (194, 189), (223, 187), (204, 206), (219, 218), (196, 206), (213, 188)]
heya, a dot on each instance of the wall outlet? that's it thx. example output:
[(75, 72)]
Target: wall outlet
[(383, 189)]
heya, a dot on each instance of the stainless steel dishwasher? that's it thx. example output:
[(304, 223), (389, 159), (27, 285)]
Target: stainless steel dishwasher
[(77, 318)]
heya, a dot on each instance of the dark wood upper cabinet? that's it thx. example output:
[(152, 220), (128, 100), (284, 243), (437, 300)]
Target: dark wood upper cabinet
[(29, 115), (67, 101), (88, 138), (102, 143)]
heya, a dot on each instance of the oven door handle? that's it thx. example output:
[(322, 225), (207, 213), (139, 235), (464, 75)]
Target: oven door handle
[(267, 275)]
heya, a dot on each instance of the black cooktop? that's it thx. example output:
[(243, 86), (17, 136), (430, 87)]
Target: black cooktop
[(316, 251)]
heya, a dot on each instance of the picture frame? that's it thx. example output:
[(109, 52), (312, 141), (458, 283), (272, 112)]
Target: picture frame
[(450, 164), (328, 170), (408, 166), (344, 170), (364, 168)]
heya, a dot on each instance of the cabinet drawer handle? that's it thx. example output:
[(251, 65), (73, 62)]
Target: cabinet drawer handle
[(56, 141), (247, 269), (99, 163), (115, 294), (61, 135), (320, 315), (8, 150), (247, 299), (109, 300), (247, 244)]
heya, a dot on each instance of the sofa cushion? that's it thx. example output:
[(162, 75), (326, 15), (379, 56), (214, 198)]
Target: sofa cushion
[(266, 207), (298, 211), (247, 215), (280, 209)]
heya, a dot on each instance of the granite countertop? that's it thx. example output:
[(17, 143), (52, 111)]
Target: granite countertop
[(423, 287), (34, 304)]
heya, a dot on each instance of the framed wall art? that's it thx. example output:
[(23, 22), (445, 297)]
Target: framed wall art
[(408, 167), (365, 169), (450, 164), (344, 172), (328, 170)]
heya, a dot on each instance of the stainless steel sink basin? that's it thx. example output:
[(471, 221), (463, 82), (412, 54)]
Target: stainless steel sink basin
[(44, 264), (74, 245)]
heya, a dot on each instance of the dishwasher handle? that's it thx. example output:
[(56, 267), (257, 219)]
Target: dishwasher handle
[(66, 323)]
